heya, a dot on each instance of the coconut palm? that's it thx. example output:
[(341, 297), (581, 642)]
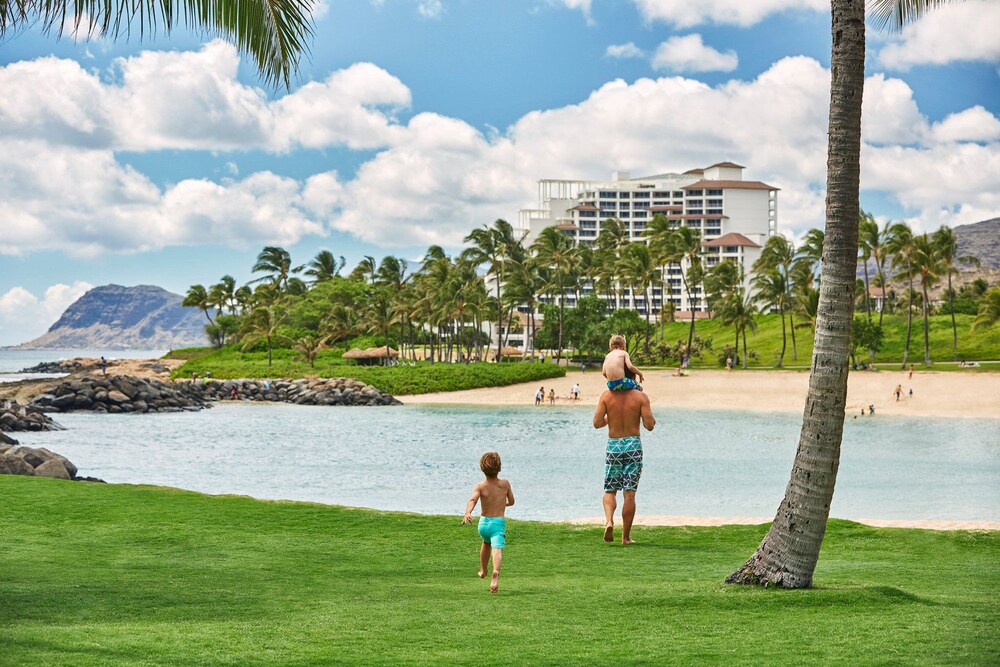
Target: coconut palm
[(263, 324), (947, 249), (682, 246), (525, 281), (788, 554), (611, 240), (555, 250), (928, 265), (379, 315), (365, 269), (773, 292), (989, 310), (779, 255), (340, 323), (878, 242), (223, 294), (324, 266), (198, 297), (722, 284), (272, 33), (903, 250), (811, 251), (308, 348), (493, 246), (867, 231), (277, 264), (639, 270)]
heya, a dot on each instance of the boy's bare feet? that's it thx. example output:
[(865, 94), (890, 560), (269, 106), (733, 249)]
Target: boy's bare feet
[(609, 532), (495, 582), (627, 541), (481, 574)]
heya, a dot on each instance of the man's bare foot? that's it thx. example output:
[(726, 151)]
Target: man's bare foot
[(627, 541), (482, 574), (495, 582), (609, 531)]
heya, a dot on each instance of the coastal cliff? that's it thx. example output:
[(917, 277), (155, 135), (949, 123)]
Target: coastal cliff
[(116, 317)]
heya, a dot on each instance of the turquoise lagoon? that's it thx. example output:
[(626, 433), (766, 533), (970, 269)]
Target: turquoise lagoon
[(425, 459)]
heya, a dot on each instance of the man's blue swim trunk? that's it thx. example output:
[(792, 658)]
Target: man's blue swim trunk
[(493, 530), (623, 464), (624, 384)]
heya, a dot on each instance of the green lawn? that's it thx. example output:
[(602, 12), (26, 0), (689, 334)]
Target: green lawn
[(114, 574), (982, 345)]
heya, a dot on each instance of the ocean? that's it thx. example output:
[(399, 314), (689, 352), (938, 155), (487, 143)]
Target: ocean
[(13, 361)]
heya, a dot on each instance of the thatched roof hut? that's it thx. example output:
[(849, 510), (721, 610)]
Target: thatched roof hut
[(380, 352), (509, 351), (356, 353)]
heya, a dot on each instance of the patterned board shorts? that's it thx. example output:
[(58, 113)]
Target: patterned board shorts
[(623, 464)]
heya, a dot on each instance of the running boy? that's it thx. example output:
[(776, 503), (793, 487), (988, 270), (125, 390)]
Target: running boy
[(494, 496), (618, 368)]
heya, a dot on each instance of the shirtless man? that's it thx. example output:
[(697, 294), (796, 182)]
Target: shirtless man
[(621, 412), (494, 496)]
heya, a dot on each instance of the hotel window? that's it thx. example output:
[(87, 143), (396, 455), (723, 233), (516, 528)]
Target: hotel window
[(639, 214), (588, 224), (639, 226), (715, 193), (624, 195), (588, 232), (624, 214), (661, 194), (641, 205), (695, 211), (696, 224), (695, 193), (713, 211), (607, 195), (678, 195), (641, 195), (588, 214), (713, 202), (732, 249)]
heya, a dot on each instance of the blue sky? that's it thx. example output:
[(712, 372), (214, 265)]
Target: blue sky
[(413, 121)]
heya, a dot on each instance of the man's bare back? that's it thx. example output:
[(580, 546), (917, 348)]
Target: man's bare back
[(622, 411)]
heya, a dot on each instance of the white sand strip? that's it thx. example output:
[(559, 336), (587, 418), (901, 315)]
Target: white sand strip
[(673, 520)]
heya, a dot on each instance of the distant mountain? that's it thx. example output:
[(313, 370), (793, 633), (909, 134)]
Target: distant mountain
[(114, 317), (982, 240)]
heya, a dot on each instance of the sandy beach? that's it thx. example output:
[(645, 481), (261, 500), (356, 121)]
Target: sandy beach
[(935, 394), (671, 520)]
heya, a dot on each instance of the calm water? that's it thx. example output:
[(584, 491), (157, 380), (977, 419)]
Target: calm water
[(12, 361), (424, 459)]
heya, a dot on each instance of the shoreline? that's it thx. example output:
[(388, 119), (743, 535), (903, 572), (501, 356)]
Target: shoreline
[(680, 521), (935, 394)]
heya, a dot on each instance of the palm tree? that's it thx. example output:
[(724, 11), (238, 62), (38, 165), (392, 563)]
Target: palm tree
[(555, 250), (611, 240), (879, 242), (380, 315), (722, 284), (340, 323), (774, 293), (224, 293), (683, 246), (867, 232), (198, 297), (324, 266), (903, 250), (640, 272), (309, 347), (277, 264), (272, 32), (989, 310), (493, 246), (788, 554), (365, 268), (927, 263), (779, 254), (263, 324), (947, 249), (811, 251), (525, 282)]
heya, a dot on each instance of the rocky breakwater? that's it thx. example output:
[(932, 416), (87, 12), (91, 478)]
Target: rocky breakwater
[(118, 394), (327, 391), (17, 417)]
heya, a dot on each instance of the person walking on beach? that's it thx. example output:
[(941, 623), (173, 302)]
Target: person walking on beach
[(552, 396), (911, 373), (898, 391), (494, 496), (104, 366), (621, 412), (539, 395), (575, 391)]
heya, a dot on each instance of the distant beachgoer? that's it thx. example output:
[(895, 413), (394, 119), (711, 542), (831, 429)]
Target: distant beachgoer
[(541, 358), (862, 412), (871, 409), (898, 391), (583, 368), (618, 368), (539, 395), (911, 373), (622, 412), (552, 396), (233, 395), (729, 363), (104, 366), (494, 496), (911, 392), (575, 392)]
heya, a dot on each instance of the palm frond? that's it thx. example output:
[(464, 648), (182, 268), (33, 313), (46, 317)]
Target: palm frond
[(897, 14)]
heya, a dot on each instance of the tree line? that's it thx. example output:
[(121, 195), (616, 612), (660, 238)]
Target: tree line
[(455, 305)]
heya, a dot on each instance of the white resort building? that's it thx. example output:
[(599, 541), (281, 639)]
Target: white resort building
[(733, 216)]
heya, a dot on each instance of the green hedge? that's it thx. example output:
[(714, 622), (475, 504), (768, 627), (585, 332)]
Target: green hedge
[(230, 362)]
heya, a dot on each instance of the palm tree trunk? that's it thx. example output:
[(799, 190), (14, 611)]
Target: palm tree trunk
[(927, 339), (909, 321), (562, 302), (954, 329), (788, 554), (781, 359), (269, 351), (649, 305), (885, 294), (868, 302), (744, 328), (791, 326)]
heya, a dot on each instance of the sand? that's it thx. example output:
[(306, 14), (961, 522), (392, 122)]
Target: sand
[(941, 394), (671, 520)]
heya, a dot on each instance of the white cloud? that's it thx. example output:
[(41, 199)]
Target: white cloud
[(433, 178), (582, 5), (628, 50), (744, 13), (972, 124), (23, 316), (689, 54), (430, 9), (965, 31)]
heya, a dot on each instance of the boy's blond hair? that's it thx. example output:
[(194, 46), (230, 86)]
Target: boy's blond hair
[(489, 463), (618, 341)]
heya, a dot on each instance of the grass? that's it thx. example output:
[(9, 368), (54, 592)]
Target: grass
[(228, 363), (127, 575), (982, 345)]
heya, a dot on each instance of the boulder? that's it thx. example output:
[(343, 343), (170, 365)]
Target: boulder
[(53, 468), (117, 397), (70, 468), (28, 454), (14, 465)]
